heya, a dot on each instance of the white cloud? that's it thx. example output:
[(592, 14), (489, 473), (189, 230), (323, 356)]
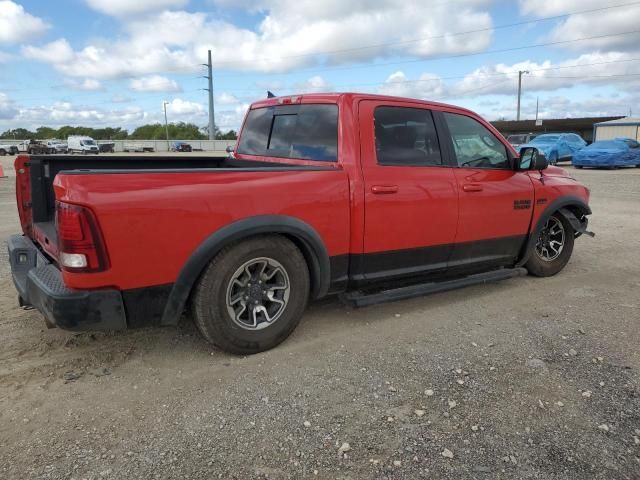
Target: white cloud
[(181, 107), (595, 69), (592, 24), (587, 69), (226, 99), (58, 52), (8, 109), (288, 33), (121, 8), (314, 84), (154, 83), (67, 113), (427, 86), (560, 106), (231, 119), (16, 25), (88, 84)]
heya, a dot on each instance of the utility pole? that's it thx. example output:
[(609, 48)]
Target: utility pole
[(520, 73), (209, 77), (537, 98), (166, 125)]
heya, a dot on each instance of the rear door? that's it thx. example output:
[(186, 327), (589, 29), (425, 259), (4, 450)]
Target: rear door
[(411, 202), (495, 201)]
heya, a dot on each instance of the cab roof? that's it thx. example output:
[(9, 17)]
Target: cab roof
[(348, 97)]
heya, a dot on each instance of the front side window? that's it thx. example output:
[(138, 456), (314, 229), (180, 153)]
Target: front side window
[(406, 136), (474, 145), (306, 132)]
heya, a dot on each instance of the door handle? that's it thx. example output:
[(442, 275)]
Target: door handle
[(384, 189), (472, 187)]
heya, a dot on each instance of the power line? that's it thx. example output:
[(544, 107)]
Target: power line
[(434, 37)]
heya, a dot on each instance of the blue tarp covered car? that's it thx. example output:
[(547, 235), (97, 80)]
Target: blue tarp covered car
[(618, 152), (556, 146)]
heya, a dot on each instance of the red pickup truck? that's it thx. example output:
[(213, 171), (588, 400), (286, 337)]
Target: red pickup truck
[(377, 198)]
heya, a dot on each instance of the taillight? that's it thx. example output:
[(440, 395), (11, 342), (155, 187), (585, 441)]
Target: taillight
[(80, 244)]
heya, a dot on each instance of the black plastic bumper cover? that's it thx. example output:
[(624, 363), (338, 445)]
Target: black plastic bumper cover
[(39, 284)]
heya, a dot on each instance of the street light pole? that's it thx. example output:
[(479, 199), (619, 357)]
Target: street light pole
[(166, 125), (520, 73)]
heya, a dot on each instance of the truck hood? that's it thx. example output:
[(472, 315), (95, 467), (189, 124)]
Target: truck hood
[(554, 171)]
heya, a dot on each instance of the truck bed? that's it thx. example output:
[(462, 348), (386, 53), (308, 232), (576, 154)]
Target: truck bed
[(40, 210)]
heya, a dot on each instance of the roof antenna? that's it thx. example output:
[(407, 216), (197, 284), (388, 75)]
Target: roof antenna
[(270, 94)]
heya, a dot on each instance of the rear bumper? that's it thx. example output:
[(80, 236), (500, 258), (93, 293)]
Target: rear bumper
[(39, 284)]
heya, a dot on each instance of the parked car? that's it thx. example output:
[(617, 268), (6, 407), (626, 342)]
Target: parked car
[(181, 147), (6, 149), (33, 147), (56, 146), (136, 147), (518, 139), (447, 203), (82, 144), (557, 147), (618, 152), (106, 147)]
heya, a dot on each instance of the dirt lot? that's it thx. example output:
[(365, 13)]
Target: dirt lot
[(528, 378)]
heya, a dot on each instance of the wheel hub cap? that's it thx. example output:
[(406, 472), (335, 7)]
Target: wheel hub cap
[(551, 240), (258, 293)]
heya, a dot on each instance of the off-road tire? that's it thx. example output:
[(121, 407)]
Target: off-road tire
[(545, 268), (209, 302)]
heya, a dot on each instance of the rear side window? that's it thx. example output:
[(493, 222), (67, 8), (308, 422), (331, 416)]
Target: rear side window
[(307, 132), (406, 136)]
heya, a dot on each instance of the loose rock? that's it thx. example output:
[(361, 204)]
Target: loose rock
[(447, 453)]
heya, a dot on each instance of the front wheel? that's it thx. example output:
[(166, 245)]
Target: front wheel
[(252, 295), (553, 248)]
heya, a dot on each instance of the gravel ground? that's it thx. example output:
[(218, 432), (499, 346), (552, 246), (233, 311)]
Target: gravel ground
[(527, 378)]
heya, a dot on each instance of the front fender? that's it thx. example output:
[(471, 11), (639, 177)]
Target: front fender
[(574, 209)]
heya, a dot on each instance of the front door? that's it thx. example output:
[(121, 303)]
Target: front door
[(495, 201), (411, 199)]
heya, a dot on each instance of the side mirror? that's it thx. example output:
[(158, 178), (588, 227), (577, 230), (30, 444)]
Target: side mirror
[(532, 159), (229, 149)]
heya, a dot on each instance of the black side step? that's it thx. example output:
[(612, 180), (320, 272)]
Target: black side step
[(362, 299)]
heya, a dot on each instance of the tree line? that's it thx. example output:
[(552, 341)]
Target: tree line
[(154, 131)]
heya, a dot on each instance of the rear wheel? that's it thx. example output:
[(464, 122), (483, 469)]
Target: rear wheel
[(553, 248), (578, 166), (3, 152), (252, 295)]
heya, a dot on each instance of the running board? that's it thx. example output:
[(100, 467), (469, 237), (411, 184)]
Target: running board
[(362, 299)]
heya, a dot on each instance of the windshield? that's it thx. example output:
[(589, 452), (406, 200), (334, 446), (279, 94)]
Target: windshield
[(87, 142), (546, 139)]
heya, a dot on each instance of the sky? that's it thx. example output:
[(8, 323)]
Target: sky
[(114, 62)]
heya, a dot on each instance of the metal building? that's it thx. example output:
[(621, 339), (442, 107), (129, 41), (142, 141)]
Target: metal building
[(627, 127)]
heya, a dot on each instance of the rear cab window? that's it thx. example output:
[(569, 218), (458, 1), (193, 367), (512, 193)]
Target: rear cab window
[(406, 137), (304, 132)]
